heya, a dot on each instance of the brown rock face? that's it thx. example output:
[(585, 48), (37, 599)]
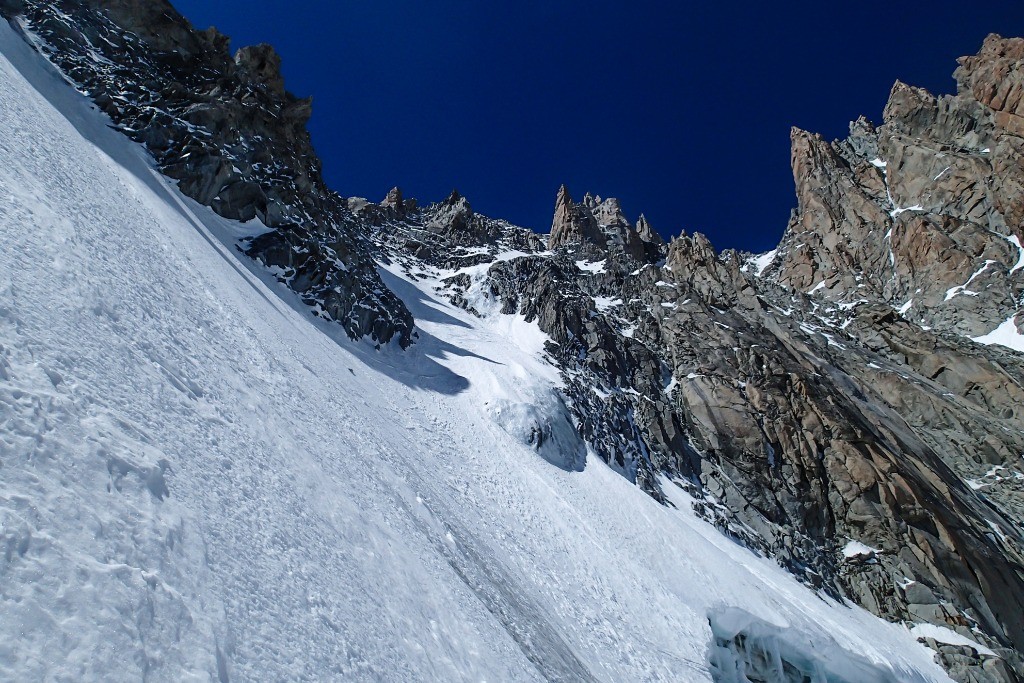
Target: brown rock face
[(647, 233), (992, 76), (833, 396), (926, 212), (261, 64), (595, 227), (573, 223)]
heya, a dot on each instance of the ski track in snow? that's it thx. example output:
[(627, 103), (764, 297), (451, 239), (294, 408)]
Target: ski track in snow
[(199, 480)]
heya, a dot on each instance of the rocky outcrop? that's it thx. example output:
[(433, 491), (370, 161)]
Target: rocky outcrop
[(925, 211), (800, 430), (647, 233), (595, 227), (573, 223), (993, 78), (227, 130), (446, 234), (866, 444)]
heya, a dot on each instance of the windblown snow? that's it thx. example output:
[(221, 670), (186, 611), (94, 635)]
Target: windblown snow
[(200, 480)]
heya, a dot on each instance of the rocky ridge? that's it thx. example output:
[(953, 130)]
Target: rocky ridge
[(868, 445), (923, 212), (806, 429), (226, 129)]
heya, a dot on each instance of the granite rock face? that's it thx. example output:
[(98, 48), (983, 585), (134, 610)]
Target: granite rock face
[(595, 226), (227, 130), (925, 211), (823, 404)]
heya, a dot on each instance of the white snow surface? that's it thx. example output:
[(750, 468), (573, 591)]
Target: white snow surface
[(1006, 335), (606, 303), (1015, 241), (953, 292), (857, 549), (591, 266), (760, 263), (201, 481), (948, 636)]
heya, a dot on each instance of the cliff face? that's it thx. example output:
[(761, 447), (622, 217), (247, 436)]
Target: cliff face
[(925, 211), (824, 404), (597, 226)]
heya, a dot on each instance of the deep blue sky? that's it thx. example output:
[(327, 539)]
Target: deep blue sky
[(681, 110)]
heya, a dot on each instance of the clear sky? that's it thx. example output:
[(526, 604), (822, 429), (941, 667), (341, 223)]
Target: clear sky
[(682, 110)]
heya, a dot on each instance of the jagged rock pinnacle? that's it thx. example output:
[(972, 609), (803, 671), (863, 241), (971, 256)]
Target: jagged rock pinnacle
[(646, 232)]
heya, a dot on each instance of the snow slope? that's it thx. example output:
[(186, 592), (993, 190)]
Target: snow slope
[(201, 481)]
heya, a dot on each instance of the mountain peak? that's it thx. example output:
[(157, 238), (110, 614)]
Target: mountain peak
[(261, 64)]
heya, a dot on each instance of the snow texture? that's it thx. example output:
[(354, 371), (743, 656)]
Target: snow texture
[(591, 267), (760, 263), (948, 636), (1015, 241), (855, 549), (1006, 335), (751, 649), (201, 481)]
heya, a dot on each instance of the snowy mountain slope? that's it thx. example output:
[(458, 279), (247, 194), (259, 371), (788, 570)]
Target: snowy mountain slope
[(198, 480)]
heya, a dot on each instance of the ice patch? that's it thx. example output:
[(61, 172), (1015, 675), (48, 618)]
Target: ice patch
[(819, 286), (542, 423), (591, 267), (898, 210), (746, 648), (606, 303), (1015, 241), (953, 292), (856, 549)]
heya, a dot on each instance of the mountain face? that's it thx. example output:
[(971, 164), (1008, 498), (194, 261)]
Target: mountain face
[(224, 127), (850, 404), (923, 212)]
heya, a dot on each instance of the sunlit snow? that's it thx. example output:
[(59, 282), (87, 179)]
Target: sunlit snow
[(1006, 335)]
